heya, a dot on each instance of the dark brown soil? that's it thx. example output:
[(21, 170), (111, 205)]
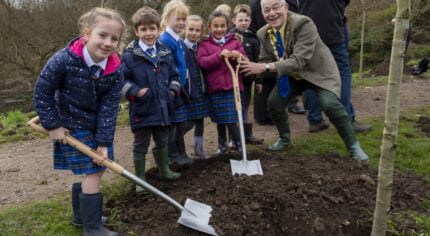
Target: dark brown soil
[(383, 68), (319, 195), (423, 123)]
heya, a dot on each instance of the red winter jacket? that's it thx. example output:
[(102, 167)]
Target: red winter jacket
[(218, 76)]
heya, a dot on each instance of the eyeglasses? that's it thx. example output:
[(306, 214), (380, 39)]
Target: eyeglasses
[(275, 8)]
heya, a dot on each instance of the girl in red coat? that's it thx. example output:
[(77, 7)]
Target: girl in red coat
[(211, 53)]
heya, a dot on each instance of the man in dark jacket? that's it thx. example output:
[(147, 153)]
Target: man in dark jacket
[(329, 18)]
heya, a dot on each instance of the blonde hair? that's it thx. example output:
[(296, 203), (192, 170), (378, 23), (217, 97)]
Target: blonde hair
[(198, 18), (174, 7), (242, 8), (224, 8), (90, 18)]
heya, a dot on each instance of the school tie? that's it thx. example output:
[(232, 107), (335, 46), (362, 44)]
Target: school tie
[(283, 83), (151, 53), (96, 71), (194, 46)]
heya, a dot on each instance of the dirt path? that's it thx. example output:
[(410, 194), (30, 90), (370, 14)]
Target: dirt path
[(26, 167)]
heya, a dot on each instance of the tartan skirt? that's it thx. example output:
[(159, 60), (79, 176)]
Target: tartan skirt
[(67, 157), (222, 107), (180, 114), (198, 109)]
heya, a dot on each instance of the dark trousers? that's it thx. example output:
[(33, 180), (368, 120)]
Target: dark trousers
[(142, 138), (260, 101), (340, 54), (330, 104), (176, 142)]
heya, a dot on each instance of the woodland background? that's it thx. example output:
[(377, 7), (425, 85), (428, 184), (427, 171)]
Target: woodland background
[(32, 30)]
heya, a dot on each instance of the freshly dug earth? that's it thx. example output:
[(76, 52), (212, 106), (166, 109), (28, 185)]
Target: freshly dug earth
[(316, 195), (423, 124)]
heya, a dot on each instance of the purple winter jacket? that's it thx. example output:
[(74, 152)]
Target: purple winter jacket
[(218, 76)]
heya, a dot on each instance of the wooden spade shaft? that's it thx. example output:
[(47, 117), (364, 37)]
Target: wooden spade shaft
[(111, 165)]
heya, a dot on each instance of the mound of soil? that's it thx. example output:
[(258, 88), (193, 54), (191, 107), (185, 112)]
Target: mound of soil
[(317, 195), (423, 123), (383, 69)]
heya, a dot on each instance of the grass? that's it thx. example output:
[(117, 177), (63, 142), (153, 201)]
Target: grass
[(412, 151), (47, 217), (13, 127), (52, 217), (368, 81)]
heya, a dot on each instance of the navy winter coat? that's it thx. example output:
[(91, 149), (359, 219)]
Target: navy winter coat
[(66, 94), (195, 86), (251, 45), (156, 107)]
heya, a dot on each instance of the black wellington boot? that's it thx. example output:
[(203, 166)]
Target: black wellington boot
[(77, 220), (249, 138), (91, 214)]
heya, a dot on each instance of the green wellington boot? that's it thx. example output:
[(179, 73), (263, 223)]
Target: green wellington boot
[(139, 169), (284, 137), (346, 132), (162, 160), (357, 153)]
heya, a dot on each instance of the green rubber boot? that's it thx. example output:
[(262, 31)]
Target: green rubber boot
[(139, 169), (162, 160), (284, 137), (357, 153), (346, 132)]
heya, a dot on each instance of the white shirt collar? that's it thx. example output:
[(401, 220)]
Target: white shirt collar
[(144, 47), (172, 33), (220, 41), (89, 61), (189, 43)]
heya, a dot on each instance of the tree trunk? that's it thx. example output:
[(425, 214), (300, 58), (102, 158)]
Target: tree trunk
[(363, 23), (389, 139)]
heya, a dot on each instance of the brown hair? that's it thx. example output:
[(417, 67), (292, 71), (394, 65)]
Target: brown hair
[(217, 14), (242, 8), (145, 16)]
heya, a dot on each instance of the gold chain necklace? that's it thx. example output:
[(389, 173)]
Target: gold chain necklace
[(274, 41)]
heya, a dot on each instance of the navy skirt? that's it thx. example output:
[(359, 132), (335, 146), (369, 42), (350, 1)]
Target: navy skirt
[(67, 157), (180, 114), (198, 109), (222, 107)]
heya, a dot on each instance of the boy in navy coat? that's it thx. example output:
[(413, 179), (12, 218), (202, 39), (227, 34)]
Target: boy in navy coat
[(151, 83)]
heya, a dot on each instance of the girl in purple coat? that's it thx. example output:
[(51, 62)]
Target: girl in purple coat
[(211, 53)]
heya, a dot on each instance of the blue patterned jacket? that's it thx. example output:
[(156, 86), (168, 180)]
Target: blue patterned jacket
[(66, 94)]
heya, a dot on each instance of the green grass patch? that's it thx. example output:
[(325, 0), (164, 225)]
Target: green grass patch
[(368, 81), (13, 127), (412, 151), (47, 217)]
